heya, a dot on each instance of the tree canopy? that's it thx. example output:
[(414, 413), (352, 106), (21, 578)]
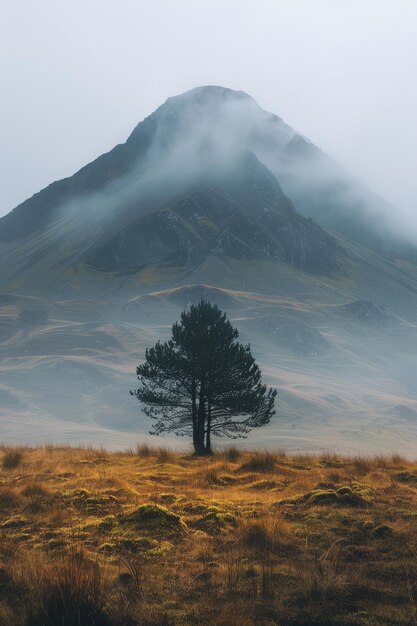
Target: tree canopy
[(203, 382)]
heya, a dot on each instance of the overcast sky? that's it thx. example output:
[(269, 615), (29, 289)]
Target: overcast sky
[(77, 76)]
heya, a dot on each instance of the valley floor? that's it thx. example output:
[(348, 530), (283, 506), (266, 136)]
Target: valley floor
[(155, 537)]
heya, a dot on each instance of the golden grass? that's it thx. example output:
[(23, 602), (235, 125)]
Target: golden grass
[(156, 537)]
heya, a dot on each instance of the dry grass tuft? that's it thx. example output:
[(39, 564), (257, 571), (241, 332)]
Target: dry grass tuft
[(12, 458), (362, 465), (232, 454), (264, 462), (9, 498), (264, 535), (145, 450), (70, 590), (37, 494), (166, 455)]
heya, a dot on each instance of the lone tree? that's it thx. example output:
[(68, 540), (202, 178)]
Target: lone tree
[(203, 382)]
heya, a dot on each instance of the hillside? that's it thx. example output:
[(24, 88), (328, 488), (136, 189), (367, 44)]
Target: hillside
[(346, 381), (152, 537)]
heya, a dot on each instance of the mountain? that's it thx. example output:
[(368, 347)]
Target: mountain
[(209, 196), (212, 142), (178, 190)]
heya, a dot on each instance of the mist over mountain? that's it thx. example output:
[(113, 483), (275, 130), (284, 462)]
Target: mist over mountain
[(193, 143), (210, 196)]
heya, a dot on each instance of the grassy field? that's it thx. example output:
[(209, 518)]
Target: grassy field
[(151, 536)]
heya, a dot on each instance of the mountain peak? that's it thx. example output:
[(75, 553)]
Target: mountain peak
[(207, 127), (211, 92), (210, 105)]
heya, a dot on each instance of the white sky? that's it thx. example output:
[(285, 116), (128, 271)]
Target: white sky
[(77, 75)]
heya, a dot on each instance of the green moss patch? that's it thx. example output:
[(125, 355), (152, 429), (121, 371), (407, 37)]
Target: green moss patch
[(105, 524), (355, 495), (155, 517), (136, 544), (214, 522), (91, 502)]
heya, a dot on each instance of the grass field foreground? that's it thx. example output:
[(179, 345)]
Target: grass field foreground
[(155, 537)]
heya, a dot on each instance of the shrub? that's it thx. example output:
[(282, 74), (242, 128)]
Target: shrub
[(12, 458)]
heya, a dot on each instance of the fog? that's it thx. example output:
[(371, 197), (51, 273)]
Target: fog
[(353, 392), (199, 136), (76, 78)]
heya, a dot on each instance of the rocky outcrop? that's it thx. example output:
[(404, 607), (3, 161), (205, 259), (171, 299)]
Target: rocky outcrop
[(240, 212)]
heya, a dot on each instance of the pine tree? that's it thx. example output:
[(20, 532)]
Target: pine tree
[(203, 382)]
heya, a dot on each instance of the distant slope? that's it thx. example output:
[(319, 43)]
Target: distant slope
[(323, 190), (343, 383)]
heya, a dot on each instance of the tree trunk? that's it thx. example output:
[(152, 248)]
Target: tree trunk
[(208, 434), (199, 446), (194, 414)]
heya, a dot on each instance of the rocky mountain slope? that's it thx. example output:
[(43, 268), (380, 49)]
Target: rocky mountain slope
[(178, 190)]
